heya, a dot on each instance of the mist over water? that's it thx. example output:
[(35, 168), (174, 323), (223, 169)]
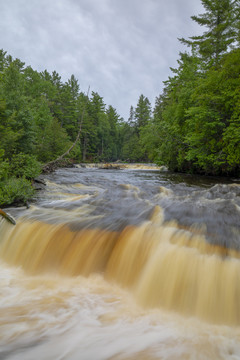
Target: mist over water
[(123, 264)]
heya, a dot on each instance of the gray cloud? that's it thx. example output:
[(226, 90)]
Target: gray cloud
[(120, 48)]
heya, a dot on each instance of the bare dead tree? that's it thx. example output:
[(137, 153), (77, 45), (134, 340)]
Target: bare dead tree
[(54, 163)]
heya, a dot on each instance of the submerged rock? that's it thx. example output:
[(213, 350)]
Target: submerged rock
[(39, 183)]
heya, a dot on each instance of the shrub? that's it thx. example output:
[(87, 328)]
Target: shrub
[(15, 191), (24, 165), (4, 170)]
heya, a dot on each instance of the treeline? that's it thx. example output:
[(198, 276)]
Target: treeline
[(195, 125), (39, 120), (40, 115)]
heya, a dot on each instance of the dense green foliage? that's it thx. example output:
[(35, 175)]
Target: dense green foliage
[(195, 125), (132, 132), (40, 117), (15, 178)]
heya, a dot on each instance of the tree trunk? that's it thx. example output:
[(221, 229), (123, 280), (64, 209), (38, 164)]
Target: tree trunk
[(7, 217), (51, 165), (85, 141)]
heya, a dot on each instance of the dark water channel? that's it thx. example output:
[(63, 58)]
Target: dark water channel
[(129, 197)]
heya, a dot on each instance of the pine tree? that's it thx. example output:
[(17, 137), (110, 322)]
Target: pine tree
[(131, 116), (220, 20), (143, 111)]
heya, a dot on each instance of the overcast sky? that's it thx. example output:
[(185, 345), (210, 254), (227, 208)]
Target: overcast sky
[(120, 48)]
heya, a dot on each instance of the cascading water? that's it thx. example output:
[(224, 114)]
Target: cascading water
[(122, 265)]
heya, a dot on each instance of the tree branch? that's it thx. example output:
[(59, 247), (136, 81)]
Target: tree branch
[(53, 163)]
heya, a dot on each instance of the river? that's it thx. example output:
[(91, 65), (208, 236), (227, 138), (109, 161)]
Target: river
[(122, 264)]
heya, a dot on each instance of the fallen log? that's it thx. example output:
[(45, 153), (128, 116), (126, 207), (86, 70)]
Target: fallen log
[(8, 217)]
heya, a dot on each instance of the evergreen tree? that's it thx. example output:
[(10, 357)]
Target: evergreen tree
[(131, 116), (114, 140), (195, 126), (41, 118), (70, 115), (220, 20), (133, 149), (142, 112)]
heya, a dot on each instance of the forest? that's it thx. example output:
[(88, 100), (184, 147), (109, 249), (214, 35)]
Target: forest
[(193, 127)]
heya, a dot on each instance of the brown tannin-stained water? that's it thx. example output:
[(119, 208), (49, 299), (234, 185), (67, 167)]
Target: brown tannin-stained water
[(122, 264)]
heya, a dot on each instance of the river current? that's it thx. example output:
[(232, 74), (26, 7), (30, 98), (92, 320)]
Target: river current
[(122, 264)]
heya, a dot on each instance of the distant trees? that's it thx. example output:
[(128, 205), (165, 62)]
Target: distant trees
[(139, 118), (39, 120), (40, 115)]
